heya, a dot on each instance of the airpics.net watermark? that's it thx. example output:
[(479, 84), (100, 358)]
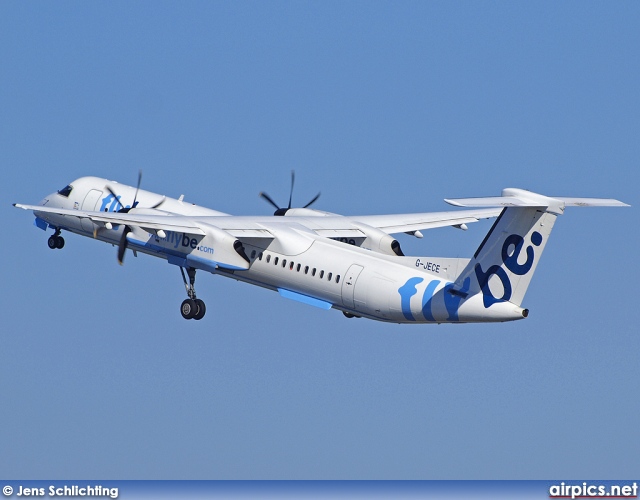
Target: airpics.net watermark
[(61, 491), (586, 490)]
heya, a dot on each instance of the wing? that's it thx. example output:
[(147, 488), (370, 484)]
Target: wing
[(403, 223), (169, 222), (329, 226)]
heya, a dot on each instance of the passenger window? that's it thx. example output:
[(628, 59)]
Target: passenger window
[(291, 266), (66, 191), (298, 268), (321, 274), (268, 258), (260, 256), (306, 269), (337, 278), (275, 261), (253, 255), (284, 262), (313, 273), (329, 276)]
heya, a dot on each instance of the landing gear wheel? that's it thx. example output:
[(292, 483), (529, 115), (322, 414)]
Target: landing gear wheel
[(201, 309), (188, 309), (191, 308), (55, 240)]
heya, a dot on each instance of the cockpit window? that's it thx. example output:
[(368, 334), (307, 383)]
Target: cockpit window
[(66, 191)]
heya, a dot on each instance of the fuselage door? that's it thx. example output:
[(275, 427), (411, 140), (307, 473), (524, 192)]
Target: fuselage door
[(349, 285), (89, 204)]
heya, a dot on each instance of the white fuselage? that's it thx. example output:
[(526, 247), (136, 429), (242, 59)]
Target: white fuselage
[(298, 263)]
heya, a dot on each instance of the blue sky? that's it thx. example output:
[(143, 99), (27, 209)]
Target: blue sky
[(385, 107)]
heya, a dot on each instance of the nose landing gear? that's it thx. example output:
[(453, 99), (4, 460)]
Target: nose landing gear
[(191, 308), (55, 240)]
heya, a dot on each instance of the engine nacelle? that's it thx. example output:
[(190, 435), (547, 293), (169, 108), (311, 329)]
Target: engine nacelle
[(378, 241), (307, 212), (221, 248)]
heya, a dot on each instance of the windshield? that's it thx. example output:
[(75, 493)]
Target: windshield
[(66, 191)]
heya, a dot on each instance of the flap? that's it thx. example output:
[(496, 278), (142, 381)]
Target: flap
[(401, 223)]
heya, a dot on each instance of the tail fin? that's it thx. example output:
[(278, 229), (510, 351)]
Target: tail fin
[(502, 267)]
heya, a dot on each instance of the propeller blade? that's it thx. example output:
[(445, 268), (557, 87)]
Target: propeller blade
[(122, 246), (282, 211), (293, 178), (115, 196), (160, 202), (312, 201), (135, 197), (266, 197)]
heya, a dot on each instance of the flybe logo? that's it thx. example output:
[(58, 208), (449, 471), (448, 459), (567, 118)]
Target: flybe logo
[(451, 300), (179, 239), (510, 255), (110, 203), (183, 240), (510, 261)]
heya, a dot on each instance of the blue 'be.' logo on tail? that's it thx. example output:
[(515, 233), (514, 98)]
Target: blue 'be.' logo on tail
[(511, 263)]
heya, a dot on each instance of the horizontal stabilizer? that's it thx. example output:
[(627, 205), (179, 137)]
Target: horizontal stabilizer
[(593, 202), (512, 197), (492, 201)]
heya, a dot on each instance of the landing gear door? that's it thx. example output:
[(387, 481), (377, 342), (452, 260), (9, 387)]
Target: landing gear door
[(349, 285), (89, 204)]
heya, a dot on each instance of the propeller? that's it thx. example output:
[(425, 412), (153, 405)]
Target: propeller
[(281, 211), (122, 245), (123, 209)]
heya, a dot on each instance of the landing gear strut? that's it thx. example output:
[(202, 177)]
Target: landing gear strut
[(55, 240), (191, 308)]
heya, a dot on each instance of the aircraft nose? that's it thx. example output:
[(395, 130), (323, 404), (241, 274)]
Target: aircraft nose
[(45, 201)]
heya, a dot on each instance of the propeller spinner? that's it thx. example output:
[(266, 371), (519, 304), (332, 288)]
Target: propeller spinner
[(282, 211)]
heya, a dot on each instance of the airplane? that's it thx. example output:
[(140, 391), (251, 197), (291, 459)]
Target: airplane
[(349, 263)]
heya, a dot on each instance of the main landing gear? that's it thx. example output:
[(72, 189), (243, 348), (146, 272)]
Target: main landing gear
[(55, 240), (191, 308)]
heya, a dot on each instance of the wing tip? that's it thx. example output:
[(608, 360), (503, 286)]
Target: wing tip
[(453, 202)]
